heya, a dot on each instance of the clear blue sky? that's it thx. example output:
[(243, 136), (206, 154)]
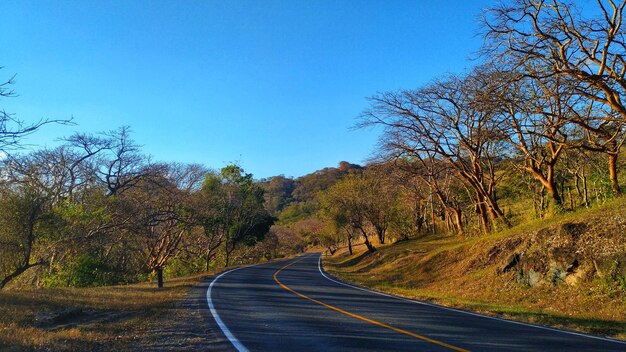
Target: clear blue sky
[(274, 85)]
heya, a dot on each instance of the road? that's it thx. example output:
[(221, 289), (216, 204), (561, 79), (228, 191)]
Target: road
[(293, 306)]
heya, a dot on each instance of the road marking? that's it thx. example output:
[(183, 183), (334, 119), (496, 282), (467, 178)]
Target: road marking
[(229, 335), (319, 266), (356, 316)]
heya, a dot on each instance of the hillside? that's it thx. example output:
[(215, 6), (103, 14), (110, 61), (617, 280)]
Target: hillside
[(568, 271)]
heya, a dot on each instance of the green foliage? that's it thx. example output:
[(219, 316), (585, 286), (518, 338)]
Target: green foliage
[(234, 211), (184, 266), (297, 211), (85, 271), (278, 193)]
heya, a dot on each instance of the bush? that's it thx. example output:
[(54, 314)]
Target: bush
[(184, 266), (85, 271)]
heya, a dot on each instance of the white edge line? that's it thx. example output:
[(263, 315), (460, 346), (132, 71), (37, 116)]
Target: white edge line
[(229, 335), (319, 266)]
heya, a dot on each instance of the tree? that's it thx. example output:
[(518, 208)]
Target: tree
[(157, 226), (330, 239), (278, 193), (289, 241), (308, 229), (446, 121), (556, 38), (536, 115), (347, 204), (12, 129), (21, 213), (121, 165), (238, 215), (380, 199), (32, 190), (430, 181), (599, 132)]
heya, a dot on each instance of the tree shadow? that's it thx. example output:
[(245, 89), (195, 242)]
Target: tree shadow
[(354, 260)]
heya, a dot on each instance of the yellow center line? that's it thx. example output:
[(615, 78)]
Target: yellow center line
[(356, 316)]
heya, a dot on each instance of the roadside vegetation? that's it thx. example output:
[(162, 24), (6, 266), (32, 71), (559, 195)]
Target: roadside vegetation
[(501, 188)]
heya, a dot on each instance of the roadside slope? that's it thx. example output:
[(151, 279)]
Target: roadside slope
[(565, 272)]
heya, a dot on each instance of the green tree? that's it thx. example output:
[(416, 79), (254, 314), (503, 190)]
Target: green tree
[(346, 204), (237, 214)]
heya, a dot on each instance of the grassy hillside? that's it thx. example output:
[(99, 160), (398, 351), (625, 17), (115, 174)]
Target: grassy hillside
[(567, 271), (86, 319)]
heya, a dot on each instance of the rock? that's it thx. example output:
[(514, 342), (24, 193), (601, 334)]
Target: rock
[(569, 252), (512, 261)]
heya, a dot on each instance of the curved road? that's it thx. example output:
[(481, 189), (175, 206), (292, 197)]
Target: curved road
[(293, 306)]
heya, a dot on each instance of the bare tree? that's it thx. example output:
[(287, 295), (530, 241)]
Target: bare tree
[(445, 121), (536, 115), (160, 218), (438, 178), (122, 165), (30, 187), (12, 129), (556, 39), (601, 131)]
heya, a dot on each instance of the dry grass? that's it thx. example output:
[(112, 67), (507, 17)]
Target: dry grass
[(444, 270), (102, 318)]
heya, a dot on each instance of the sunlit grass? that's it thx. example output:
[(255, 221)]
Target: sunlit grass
[(450, 271), (71, 319)]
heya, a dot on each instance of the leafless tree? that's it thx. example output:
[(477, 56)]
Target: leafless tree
[(555, 37), (445, 121), (122, 165), (12, 129), (536, 115)]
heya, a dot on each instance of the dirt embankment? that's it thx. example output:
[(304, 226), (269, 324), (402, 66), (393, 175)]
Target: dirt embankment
[(573, 253)]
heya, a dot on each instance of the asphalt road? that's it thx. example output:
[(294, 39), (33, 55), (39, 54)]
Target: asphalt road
[(292, 306)]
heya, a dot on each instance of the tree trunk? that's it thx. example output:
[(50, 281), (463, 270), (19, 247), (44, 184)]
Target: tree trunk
[(542, 201), (350, 244), (577, 185), (585, 191), (548, 183), (617, 191), (458, 219), (420, 224), (481, 209), (381, 236), (537, 206), (554, 194), (497, 213), (571, 198), (226, 255), (369, 246), (367, 242), (159, 272), (18, 272)]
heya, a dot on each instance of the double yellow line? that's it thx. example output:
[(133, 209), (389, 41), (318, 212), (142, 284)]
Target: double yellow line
[(356, 316)]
